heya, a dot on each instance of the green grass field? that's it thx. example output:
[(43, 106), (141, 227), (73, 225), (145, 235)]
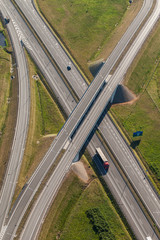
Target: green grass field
[(48, 120), (51, 118), (84, 25), (7, 104), (144, 114), (67, 219), (5, 85)]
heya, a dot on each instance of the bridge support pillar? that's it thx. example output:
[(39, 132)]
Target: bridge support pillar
[(113, 95)]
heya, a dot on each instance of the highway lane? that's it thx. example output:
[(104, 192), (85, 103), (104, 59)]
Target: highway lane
[(21, 128)]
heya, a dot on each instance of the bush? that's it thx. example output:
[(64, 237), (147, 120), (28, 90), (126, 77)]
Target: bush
[(100, 225)]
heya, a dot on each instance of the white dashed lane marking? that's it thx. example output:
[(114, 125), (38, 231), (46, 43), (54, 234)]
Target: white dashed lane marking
[(21, 37)]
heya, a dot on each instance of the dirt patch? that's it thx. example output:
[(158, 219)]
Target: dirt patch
[(79, 169), (49, 135)]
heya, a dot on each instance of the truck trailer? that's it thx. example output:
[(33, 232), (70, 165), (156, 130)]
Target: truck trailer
[(102, 158)]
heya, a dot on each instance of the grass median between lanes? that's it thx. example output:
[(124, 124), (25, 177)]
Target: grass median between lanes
[(144, 114), (45, 122), (5, 83)]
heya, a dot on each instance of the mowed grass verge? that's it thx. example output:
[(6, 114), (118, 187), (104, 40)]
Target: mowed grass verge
[(84, 26), (7, 106), (5, 82), (67, 219), (45, 122), (144, 114)]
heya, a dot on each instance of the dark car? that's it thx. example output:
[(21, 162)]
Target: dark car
[(6, 20), (68, 68)]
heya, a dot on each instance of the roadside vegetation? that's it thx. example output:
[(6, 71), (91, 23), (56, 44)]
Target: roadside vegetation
[(8, 100), (68, 217), (45, 122), (144, 114), (5, 62)]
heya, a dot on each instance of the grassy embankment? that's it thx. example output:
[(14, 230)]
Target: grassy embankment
[(67, 217), (144, 114), (7, 104), (45, 122), (86, 26)]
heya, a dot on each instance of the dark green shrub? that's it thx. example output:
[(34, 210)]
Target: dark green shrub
[(100, 225)]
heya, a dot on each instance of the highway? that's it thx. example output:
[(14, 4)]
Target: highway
[(21, 128), (45, 198), (91, 84)]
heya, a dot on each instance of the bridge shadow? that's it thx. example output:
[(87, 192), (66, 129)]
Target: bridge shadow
[(100, 119)]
